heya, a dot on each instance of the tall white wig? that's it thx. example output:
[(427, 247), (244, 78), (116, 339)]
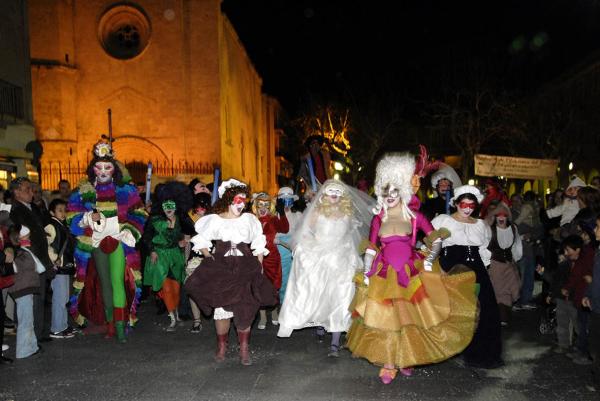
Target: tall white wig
[(395, 171)]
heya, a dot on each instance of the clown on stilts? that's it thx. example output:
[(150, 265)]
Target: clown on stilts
[(107, 217)]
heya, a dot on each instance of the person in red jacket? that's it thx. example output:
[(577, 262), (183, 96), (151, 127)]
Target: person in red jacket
[(581, 258), (273, 221)]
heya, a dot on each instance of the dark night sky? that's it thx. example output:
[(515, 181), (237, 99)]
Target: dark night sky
[(315, 47)]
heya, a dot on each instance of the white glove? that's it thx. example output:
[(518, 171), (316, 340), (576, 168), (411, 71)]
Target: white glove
[(436, 248), (368, 262)]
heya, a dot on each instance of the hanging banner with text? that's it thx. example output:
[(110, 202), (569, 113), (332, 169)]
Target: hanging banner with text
[(515, 167)]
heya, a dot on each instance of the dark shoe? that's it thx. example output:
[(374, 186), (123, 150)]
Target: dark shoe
[(45, 340), (196, 328), (63, 334), (5, 361), (583, 360), (334, 351)]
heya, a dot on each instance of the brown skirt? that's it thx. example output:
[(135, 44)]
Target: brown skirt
[(506, 282), (235, 283)]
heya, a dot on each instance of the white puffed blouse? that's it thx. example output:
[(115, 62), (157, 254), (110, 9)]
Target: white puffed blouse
[(246, 228), (476, 234)]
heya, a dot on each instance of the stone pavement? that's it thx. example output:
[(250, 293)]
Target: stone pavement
[(155, 365)]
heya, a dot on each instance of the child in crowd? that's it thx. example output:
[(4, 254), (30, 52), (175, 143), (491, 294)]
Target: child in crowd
[(61, 247), (27, 282)]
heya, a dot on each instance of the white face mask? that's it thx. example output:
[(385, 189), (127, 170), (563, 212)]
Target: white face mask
[(104, 171), (391, 197)]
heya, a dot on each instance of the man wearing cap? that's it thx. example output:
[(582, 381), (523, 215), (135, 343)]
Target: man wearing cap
[(26, 213), (570, 206), (439, 204)]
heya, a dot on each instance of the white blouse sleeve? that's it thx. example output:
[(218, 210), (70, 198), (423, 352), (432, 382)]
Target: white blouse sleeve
[(484, 252), (205, 229), (517, 248), (258, 239)]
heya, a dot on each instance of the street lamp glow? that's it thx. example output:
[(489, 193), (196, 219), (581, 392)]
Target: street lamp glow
[(471, 182), (338, 166)]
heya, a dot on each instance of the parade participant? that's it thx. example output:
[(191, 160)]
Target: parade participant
[(494, 194), (405, 313), (230, 280), (286, 198), (468, 245), (326, 258), (200, 208), (273, 221), (507, 249), (165, 267), (442, 181), (107, 217)]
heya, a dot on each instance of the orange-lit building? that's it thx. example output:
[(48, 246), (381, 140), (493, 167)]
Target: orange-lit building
[(178, 80)]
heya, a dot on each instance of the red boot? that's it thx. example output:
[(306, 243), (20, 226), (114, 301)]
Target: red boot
[(110, 330), (221, 347), (243, 339)]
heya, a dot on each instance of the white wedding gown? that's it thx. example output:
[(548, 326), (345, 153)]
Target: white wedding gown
[(320, 286)]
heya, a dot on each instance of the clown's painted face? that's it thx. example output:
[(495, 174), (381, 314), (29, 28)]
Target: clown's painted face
[(263, 207), (466, 207), (333, 194), (104, 171), (238, 204), (391, 197)]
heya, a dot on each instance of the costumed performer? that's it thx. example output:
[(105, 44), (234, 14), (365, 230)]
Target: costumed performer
[(326, 258), (273, 221), (468, 245), (107, 217), (405, 313), (286, 198), (507, 249), (230, 280), (164, 269), (200, 208)]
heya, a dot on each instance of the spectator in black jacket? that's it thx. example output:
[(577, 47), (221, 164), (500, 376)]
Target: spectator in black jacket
[(25, 213)]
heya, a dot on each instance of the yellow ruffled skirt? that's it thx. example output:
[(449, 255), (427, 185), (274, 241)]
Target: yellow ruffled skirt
[(430, 320)]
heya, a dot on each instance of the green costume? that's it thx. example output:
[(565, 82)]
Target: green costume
[(165, 242)]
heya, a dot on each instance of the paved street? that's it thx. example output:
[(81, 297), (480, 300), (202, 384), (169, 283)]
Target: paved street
[(155, 365)]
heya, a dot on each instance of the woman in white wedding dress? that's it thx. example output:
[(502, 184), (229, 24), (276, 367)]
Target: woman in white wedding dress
[(320, 287)]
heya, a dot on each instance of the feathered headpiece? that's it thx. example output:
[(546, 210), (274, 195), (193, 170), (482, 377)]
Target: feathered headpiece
[(423, 165)]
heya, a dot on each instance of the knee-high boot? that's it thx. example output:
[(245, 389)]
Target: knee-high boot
[(244, 339), (221, 347)]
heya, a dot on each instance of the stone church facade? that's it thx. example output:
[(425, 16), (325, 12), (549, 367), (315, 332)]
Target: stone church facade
[(177, 79)]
